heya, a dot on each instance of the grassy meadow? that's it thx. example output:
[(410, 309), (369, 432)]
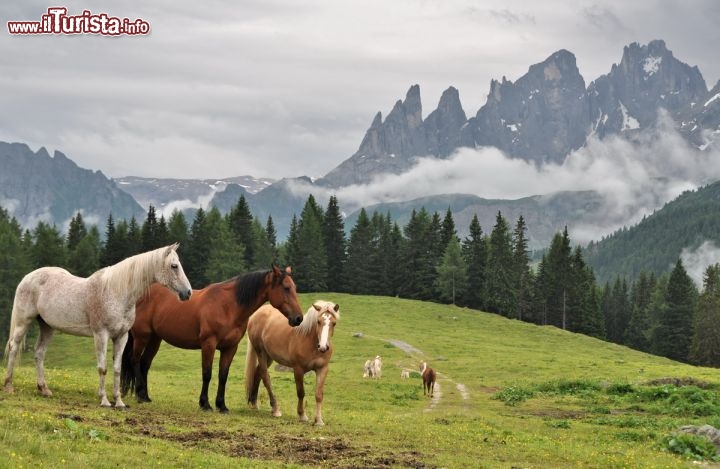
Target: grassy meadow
[(510, 394)]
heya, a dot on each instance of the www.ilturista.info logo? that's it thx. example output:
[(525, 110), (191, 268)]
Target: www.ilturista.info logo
[(57, 21)]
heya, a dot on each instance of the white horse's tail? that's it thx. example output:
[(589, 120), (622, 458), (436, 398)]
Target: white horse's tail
[(251, 362), (13, 319)]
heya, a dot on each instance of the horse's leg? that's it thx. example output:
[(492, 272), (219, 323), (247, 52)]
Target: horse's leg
[(300, 389), (46, 333), (22, 321), (208, 351), (118, 347), (264, 362), (101, 340), (226, 358), (320, 376), (146, 355)]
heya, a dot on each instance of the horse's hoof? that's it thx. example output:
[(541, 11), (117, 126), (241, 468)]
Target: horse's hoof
[(206, 408), (44, 391), (277, 413), (9, 389), (303, 418), (319, 423), (223, 410)]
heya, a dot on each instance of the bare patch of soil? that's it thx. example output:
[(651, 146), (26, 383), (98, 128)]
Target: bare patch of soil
[(680, 382), (291, 449)]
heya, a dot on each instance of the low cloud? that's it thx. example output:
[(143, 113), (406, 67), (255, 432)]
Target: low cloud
[(696, 261)]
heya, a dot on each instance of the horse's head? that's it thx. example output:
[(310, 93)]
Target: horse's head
[(172, 275), (283, 295), (326, 316)]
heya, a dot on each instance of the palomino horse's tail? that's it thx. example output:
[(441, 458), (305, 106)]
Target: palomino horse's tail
[(127, 372), (251, 362)]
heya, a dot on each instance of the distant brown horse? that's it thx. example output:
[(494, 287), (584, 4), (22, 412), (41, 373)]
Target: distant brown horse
[(428, 376), (215, 318), (304, 348)]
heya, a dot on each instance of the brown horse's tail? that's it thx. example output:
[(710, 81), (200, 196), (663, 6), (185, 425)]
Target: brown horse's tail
[(127, 371), (251, 362)]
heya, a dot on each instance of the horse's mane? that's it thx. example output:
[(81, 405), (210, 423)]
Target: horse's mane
[(134, 274), (247, 286), (307, 326)]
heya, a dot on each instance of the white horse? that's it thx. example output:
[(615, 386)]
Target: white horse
[(101, 306), (373, 368)]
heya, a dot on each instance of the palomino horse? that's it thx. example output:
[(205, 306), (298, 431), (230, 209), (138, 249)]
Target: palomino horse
[(215, 318), (101, 306), (428, 376), (305, 348)]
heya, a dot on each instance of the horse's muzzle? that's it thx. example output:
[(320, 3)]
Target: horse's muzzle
[(185, 295), (323, 349), (294, 321)]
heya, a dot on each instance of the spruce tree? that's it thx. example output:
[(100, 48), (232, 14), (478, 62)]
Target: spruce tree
[(556, 280), (265, 252), (451, 280), (522, 276), (705, 345), (335, 245), (310, 270), (76, 231), (84, 259), (225, 255), (48, 247), (638, 330), (241, 220), (134, 238), (475, 255), (149, 231), (673, 335), (358, 267), (198, 251), (419, 257), (14, 264), (500, 289)]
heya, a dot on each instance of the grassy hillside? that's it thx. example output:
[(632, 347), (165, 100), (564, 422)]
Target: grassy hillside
[(511, 394), (655, 244)]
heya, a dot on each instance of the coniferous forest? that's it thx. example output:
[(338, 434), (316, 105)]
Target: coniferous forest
[(490, 270)]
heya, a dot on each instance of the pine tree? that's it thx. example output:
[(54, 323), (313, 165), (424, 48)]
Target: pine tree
[(555, 282), (358, 267), (419, 257), (76, 231), (447, 231), (178, 231), (271, 233), (241, 220), (310, 270), (225, 255), (451, 281), (265, 252), (705, 345), (162, 235), (638, 330), (134, 238), (335, 245), (148, 232), (84, 259), (475, 256), (14, 264), (112, 250), (522, 276), (198, 251), (673, 335), (48, 247), (500, 290)]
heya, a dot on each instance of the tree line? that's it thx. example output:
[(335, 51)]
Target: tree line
[(423, 260)]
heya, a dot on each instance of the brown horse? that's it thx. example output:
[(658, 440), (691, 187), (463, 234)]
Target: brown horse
[(215, 318), (305, 348), (428, 376)]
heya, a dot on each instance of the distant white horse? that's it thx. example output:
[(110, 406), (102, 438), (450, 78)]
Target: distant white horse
[(404, 374), (373, 368), (101, 306)]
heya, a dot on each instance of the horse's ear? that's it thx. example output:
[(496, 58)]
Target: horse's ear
[(337, 307), (171, 248), (276, 270), (288, 270), (317, 307)]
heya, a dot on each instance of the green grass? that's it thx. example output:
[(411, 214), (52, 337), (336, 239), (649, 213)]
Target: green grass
[(511, 395)]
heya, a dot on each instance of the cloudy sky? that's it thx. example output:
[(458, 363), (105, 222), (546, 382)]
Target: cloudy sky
[(279, 88)]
